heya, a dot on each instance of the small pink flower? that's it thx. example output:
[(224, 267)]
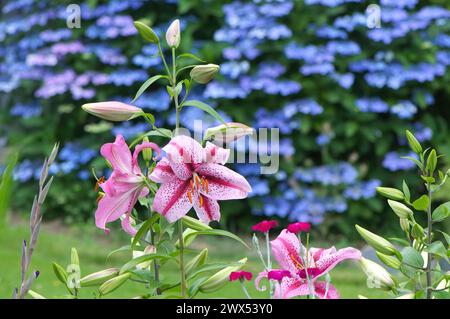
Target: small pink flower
[(265, 226), (241, 275), (299, 227), (125, 185), (278, 274)]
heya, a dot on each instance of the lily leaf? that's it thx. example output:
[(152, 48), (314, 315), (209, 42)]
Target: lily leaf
[(205, 107), (144, 229), (216, 232), (190, 56), (147, 84), (141, 259)]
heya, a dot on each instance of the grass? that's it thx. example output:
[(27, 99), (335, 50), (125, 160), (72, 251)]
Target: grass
[(93, 246)]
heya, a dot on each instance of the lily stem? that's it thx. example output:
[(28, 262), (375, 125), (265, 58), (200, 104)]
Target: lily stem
[(429, 257), (182, 271), (269, 263)]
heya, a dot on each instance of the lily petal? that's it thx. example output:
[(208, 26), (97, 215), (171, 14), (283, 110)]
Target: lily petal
[(183, 153), (216, 154), (223, 183), (110, 208), (293, 287), (208, 211), (328, 261), (138, 149), (285, 249), (126, 225), (171, 200), (118, 154), (258, 279), (162, 172), (320, 289)]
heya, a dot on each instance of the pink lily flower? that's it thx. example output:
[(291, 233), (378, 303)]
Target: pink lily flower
[(286, 250), (193, 176), (125, 185)]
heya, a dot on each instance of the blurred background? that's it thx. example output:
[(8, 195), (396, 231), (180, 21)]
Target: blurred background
[(341, 90)]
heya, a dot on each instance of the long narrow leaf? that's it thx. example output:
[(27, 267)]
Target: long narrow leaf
[(216, 232), (146, 85), (205, 107), (6, 189)]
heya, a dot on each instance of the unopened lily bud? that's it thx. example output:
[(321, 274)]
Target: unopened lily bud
[(112, 110), (99, 277), (417, 231), (194, 223), (197, 261), (35, 295), (146, 152), (413, 142), (146, 32), (377, 274), (389, 261), (60, 273), (228, 132), (220, 278), (204, 73), (173, 36), (404, 225), (378, 243), (432, 161), (411, 295), (400, 209), (391, 193), (74, 257), (113, 284), (150, 249)]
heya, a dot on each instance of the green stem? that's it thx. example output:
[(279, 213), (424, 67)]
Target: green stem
[(180, 223), (429, 259), (245, 289), (269, 263), (164, 60), (152, 241)]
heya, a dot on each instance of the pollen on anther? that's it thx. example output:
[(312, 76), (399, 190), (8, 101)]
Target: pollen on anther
[(189, 196), (201, 200)]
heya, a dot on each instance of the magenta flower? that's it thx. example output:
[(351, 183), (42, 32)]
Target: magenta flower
[(125, 185), (241, 275), (193, 176), (278, 274), (286, 248), (265, 226), (299, 227)]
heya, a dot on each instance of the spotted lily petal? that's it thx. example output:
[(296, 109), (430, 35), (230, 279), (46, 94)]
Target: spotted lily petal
[(183, 153), (285, 249), (208, 210), (216, 154), (171, 199)]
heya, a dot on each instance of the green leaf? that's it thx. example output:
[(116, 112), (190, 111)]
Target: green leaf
[(123, 248), (446, 236), (141, 259), (406, 191), (216, 232), (205, 107), (418, 163), (422, 203), (190, 56), (399, 241), (437, 248), (162, 132), (144, 229), (441, 212), (146, 32), (6, 186), (412, 257), (146, 85)]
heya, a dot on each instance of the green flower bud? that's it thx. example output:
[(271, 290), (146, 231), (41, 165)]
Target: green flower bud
[(220, 278), (146, 152), (204, 73), (404, 225), (197, 261), (389, 261), (146, 32), (150, 249), (74, 257), (60, 273), (432, 161), (377, 274), (228, 132), (378, 243), (417, 231), (35, 295), (400, 209), (413, 142), (113, 284), (391, 193), (99, 277), (194, 223)]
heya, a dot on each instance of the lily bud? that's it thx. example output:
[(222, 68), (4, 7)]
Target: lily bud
[(146, 32), (377, 274), (204, 73), (197, 261), (378, 243), (228, 132), (147, 250), (60, 273), (389, 261), (404, 225), (400, 209), (146, 152), (432, 161), (99, 277), (113, 284), (391, 193), (411, 295), (74, 257), (413, 142), (173, 36), (112, 111), (194, 223), (417, 231), (35, 295), (220, 278)]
